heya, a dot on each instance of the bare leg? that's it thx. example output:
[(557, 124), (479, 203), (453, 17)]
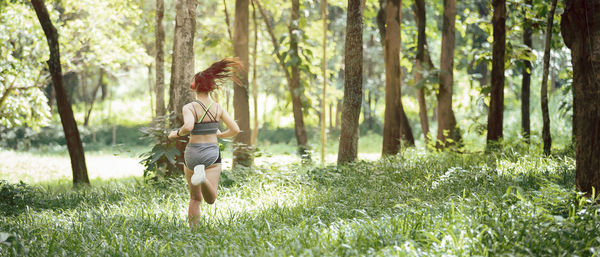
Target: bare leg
[(210, 185), (208, 189), (195, 199)]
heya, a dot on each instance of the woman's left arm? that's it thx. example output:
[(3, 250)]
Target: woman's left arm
[(188, 124)]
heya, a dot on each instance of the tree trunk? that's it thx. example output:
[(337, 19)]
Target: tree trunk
[(392, 123), (254, 84), (422, 62), (93, 99), (580, 28), (397, 111), (495, 115), (348, 146), (330, 116), (182, 67), (297, 90), (242, 153), (447, 133), (324, 72), (338, 113), (160, 59), (479, 38), (293, 78), (547, 138), (227, 19), (526, 84), (150, 89), (72, 137)]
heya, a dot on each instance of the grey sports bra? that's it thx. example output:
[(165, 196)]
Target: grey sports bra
[(205, 128)]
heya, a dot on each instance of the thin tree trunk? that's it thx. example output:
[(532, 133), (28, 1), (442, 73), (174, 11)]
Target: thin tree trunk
[(348, 147), (526, 84), (296, 89), (150, 89), (479, 38), (422, 62), (580, 29), (242, 153), (495, 116), (254, 83), (544, 91), (93, 99), (182, 67), (227, 19), (324, 72), (293, 77), (74, 145), (160, 59), (338, 113), (330, 116), (446, 120)]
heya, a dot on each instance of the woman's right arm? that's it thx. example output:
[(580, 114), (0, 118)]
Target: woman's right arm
[(232, 127)]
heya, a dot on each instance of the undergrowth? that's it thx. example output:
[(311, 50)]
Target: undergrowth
[(509, 203)]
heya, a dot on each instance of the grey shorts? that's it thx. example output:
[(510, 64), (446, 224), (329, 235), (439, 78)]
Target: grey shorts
[(201, 153)]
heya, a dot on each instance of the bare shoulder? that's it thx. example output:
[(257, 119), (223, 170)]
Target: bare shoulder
[(189, 105)]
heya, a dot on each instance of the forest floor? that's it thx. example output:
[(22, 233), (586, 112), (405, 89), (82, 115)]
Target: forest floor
[(418, 203)]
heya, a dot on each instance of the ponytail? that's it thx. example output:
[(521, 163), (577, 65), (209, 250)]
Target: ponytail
[(209, 79)]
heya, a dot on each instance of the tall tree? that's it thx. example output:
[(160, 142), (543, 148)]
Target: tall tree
[(353, 51), (422, 62), (446, 119), (293, 77), (547, 138), (324, 72), (182, 66), (392, 125), (160, 59), (403, 124), (242, 153), (526, 83), (580, 29), (495, 115), (479, 39), (74, 144), (296, 90)]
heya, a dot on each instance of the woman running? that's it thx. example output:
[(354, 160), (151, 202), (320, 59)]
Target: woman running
[(200, 119)]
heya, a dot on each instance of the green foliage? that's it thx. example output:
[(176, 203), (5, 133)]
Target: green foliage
[(14, 198), (25, 138), (160, 160), (23, 50)]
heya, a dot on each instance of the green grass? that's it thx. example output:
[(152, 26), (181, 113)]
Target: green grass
[(508, 203)]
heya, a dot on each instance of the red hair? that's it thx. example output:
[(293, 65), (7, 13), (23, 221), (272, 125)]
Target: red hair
[(209, 79)]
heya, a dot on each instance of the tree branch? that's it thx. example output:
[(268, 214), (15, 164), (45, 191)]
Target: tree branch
[(227, 20), (273, 40)]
